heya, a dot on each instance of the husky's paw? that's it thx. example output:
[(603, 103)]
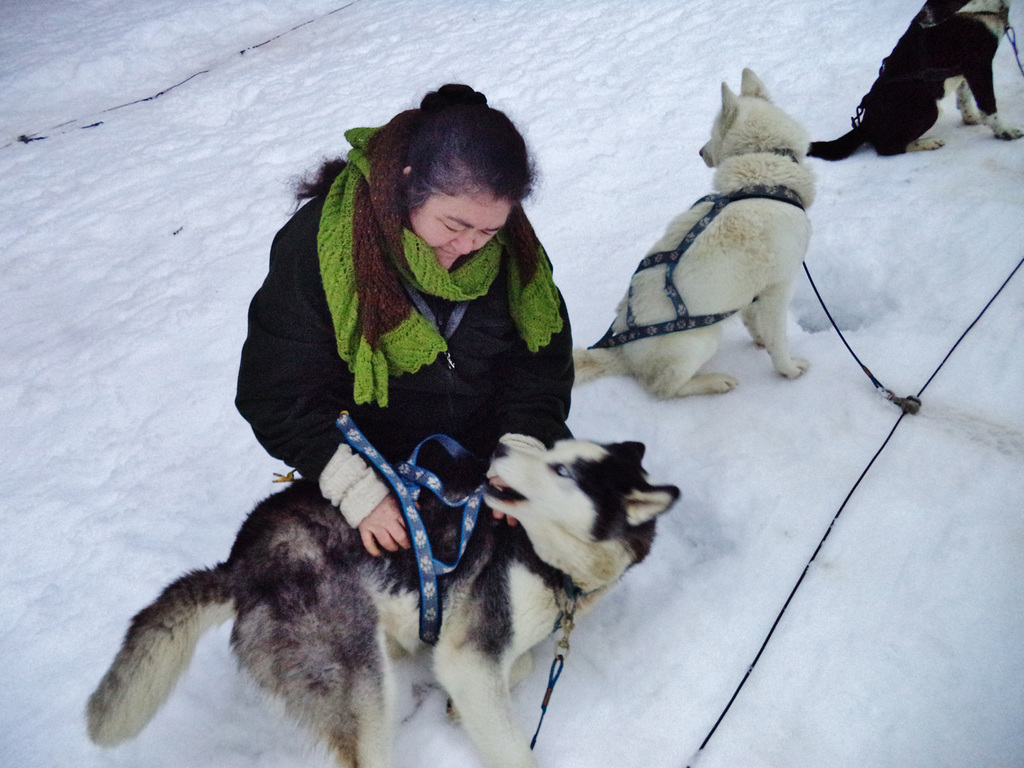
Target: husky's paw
[(798, 366), (925, 145), (1007, 134), (721, 383), (710, 384), (668, 387)]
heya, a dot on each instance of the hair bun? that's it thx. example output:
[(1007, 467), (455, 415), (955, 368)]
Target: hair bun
[(452, 95)]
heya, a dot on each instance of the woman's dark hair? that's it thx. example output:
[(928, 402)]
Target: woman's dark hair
[(318, 184), (464, 147), (454, 144), (458, 146)]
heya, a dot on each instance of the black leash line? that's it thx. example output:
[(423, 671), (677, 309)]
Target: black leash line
[(974, 323), (910, 404), (842, 507), (296, 27), (28, 138), (792, 594)]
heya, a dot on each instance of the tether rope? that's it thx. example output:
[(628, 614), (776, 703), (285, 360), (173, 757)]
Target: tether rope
[(907, 404), (69, 125), (975, 322), (835, 518)]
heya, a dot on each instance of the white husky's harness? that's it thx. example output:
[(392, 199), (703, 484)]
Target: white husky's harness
[(684, 321), (406, 479)]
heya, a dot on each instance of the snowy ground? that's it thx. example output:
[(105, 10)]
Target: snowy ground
[(129, 251)]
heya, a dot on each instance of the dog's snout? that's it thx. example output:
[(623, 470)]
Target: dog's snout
[(705, 155)]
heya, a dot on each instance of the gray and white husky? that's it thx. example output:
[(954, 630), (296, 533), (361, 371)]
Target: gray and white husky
[(314, 614), (745, 260)]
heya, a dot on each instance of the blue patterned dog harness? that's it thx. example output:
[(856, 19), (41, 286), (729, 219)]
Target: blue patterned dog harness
[(684, 321)]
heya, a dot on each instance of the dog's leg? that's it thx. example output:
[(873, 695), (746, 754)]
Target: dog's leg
[(373, 709), (311, 638), (374, 714), (977, 94), (1000, 131), (751, 318), (666, 366), (898, 115), (479, 689), (521, 669), (965, 102), (925, 144), (360, 736), (768, 316)]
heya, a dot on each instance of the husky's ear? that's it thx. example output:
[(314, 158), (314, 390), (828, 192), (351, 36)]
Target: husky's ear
[(752, 86), (730, 107), (631, 451), (646, 504)]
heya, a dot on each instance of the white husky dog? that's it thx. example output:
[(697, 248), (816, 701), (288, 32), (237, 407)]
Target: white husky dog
[(744, 258)]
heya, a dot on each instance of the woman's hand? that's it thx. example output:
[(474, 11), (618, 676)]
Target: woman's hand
[(497, 482), (384, 526)]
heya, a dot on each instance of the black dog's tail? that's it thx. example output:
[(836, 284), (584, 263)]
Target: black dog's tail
[(156, 650), (840, 148)]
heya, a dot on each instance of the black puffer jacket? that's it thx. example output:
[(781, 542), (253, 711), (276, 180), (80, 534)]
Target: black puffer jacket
[(292, 384)]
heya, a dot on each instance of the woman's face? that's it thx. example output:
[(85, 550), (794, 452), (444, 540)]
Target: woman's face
[(455, 226)]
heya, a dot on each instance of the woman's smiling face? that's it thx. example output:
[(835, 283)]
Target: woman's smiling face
[(456, 225)]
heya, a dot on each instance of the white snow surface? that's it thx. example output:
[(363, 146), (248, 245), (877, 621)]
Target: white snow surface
[(129, 251)]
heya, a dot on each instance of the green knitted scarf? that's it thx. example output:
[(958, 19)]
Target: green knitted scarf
[(415, 342)]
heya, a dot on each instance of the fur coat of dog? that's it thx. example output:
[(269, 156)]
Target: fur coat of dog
[(744, 261)]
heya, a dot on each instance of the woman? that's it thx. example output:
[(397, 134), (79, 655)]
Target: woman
[(412, 292)]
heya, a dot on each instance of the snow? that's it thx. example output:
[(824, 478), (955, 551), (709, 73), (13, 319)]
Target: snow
[(129, 252)]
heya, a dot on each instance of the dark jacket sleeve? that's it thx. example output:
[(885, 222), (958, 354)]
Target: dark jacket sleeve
[(291, 381), (536, 394)]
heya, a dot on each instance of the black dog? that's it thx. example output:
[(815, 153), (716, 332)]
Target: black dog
[(949, 43)]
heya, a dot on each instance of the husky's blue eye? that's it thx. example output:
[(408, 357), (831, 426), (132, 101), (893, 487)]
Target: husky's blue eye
[(561, 470)]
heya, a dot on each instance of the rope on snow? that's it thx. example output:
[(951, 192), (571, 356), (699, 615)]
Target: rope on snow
[(821, 543), (910, 404), (68, 126)]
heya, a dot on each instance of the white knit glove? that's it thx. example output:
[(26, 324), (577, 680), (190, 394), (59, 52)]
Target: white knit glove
[(351, 485)]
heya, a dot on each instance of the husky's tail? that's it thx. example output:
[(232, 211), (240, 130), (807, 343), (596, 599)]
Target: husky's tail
[(594, 363), (155, 652), (840, 148)]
